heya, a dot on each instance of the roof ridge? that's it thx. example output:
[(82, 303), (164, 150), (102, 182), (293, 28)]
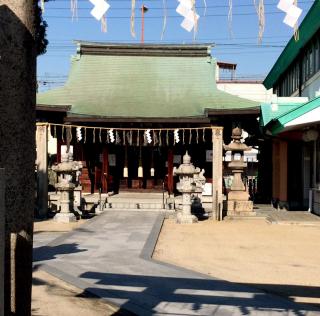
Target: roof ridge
[(130, 49)]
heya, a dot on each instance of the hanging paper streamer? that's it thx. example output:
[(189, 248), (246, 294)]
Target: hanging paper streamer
[(118, 139), (195, 19), (167, 138), (94, 135), (164, 18), (133, 7), (155, 138), (197, 136), (190, 136), (78, 134), (148, 136), (186, 8), (261, 18), (100, 8), (111, 135), (69, 137), (55, 131), (230, 18), (160, 139), (183, 132), (108, 138), (62, 133), (205, 7), (85, 135), (100, 140), (176, 136), (292, 11), (104, 26), (204, 135), (130, 138), (74, 8), (138, 138), (124, 137)]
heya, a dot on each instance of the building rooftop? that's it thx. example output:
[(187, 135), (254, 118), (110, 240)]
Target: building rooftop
[(308, 27), (142, 81)]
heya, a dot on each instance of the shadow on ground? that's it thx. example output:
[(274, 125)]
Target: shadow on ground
[(51, 252), (196, 294)]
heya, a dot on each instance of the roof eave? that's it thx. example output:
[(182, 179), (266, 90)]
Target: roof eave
[(276, 71), (53, 108)]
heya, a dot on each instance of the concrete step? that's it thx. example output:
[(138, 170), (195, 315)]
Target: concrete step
[(133, 205)]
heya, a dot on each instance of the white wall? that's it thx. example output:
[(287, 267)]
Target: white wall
[(310, 88), (252, 91)]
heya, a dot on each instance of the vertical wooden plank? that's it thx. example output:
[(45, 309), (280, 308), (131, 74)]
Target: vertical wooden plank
[(105, 171), (217, 198), (42, 169), (170, 171), (2, 239)]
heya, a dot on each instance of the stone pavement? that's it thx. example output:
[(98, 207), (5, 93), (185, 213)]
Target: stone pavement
[(110, 256), (284, 217)]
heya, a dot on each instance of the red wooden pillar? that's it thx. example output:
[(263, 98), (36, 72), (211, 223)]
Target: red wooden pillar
[(170, 171), (105, 169), (59, 143)]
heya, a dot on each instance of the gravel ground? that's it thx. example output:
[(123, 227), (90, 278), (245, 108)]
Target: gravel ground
[(282, 259)]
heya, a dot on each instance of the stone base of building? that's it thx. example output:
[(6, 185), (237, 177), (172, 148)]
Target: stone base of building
[(240, 208), (65, 218), (186, 219)]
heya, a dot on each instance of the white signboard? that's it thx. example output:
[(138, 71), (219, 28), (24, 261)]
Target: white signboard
[(112, 160), (209, 154), (177, 159)]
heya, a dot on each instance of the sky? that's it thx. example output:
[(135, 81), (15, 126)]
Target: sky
[(235, 42)]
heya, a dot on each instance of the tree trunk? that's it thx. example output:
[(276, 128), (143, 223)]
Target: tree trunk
[(17, 146)]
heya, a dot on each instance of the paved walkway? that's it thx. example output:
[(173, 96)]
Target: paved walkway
[(284, 217), (110, 256)]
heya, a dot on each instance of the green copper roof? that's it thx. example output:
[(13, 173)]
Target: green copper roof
[(308, 27), (278, 123), (136, 83), (271, 112)]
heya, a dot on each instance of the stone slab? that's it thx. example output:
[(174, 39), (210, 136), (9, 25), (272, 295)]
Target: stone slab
[(110, 256), (65, 218)]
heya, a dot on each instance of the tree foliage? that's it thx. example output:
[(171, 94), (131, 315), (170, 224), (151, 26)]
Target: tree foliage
[(41, 28)]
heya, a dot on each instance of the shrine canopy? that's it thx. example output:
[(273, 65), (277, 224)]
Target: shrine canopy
[(301, 116), (116, 81)]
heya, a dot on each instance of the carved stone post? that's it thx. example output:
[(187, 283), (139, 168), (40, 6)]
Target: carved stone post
[(42, 170), (217, 143)]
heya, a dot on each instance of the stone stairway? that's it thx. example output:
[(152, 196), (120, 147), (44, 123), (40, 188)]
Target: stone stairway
[(139, 201)]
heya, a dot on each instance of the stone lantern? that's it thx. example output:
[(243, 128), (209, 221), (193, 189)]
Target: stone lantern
[(187, 187), (238, 203), (67, 172)]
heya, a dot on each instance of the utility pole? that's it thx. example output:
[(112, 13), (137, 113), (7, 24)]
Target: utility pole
[(144, 9), (17, 147)]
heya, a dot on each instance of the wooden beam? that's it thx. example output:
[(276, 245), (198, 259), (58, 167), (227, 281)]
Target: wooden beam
[(217, 197), (42, 170)]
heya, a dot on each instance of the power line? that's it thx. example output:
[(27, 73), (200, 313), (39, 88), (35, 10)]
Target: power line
[(160, 17), (173, 8)]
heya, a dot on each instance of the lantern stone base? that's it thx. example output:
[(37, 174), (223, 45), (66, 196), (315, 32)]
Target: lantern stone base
[(240, 208), (65, 218), (186, 218)]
